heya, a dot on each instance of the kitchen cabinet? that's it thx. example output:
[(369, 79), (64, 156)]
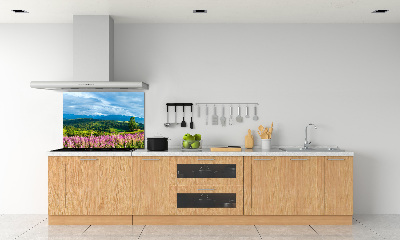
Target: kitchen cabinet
[(200, 189), (98, 186), (338, 185), (287, 186), (56, 185), (151, 184), (90, 186)]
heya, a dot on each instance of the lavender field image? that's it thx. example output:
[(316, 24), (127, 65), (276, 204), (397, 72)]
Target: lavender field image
[(103, 120)]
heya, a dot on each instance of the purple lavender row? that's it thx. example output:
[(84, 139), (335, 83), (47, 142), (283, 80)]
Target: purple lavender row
[(106, 141)]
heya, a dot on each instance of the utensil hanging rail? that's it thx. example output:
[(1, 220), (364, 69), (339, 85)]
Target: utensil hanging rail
[(180, 104), (225, 103)]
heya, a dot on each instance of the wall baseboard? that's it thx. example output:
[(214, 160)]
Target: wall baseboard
[(200, 220), (90, 220)]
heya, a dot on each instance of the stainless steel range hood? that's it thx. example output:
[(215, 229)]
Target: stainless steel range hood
[(93, 40)]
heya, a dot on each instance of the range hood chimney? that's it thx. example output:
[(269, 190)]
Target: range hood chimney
[(93, 40)]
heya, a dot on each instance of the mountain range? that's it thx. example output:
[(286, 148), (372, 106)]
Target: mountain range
[(104, 117)]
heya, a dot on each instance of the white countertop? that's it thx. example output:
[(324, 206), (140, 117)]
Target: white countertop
[(205, 152)]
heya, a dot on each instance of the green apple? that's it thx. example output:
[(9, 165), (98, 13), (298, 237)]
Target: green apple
[(186, 144), (190, 138), (197, 137), (196, 144), (186, 136)]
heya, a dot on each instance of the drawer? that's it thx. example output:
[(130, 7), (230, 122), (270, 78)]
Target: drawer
[(206, 200), (189, 171)]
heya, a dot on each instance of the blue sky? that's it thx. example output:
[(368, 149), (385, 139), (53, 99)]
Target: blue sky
[(104, 103)]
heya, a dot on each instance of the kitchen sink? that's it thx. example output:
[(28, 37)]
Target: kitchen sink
[(314, 149)]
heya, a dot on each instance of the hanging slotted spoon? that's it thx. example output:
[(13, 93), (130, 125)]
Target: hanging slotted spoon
[(239, 118)]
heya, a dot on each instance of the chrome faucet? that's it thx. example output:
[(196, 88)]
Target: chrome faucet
[(306, 142)]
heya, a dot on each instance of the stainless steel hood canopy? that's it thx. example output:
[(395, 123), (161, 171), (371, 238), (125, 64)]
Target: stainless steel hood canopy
[(93, 59)]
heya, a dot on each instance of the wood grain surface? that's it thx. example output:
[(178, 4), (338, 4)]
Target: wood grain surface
[(90, 220), (56, 185), (338, 185), (247, 185), (98, 187), (154, 185), (242, 220), (287, 186)]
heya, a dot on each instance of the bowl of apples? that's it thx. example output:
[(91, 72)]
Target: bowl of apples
[(191, 142)]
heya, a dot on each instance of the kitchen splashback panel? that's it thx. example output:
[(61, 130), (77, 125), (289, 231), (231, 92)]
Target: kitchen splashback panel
[(103, 120)]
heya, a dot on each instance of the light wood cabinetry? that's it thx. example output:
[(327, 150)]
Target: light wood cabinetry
[(287, 186), (251, 190), (56, 185), (338, 185), (151, 186), (92, 185)]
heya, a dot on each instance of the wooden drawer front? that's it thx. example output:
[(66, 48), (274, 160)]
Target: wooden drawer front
[(237, 161), (217, 209)]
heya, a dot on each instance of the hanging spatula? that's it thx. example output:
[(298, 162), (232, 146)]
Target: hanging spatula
[(183, 123), (223, 119), (214, 118), (206, 115)]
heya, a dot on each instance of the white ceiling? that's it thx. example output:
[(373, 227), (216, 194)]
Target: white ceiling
[(219, 11)]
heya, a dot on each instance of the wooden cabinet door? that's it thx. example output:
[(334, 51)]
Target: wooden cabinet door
[(338, 185), (56, 185), (98, 185), (287, 186), (152, 183)]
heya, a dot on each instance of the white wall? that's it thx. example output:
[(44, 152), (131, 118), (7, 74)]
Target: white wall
[(343, 78)]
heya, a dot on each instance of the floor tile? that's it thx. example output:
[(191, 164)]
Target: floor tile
[(341, 230), (13, 226), (386, 226), (286, 230), (292, 237), (114, 230), (200, 230), (204, 237), (44, 231)]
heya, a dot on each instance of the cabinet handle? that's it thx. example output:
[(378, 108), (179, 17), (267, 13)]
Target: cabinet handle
[(336, 159), (89, 159), (262, 159), (299, 159), (205, 189), (206, 159), (151, 159)]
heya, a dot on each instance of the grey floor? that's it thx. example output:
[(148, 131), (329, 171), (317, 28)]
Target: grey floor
[(364, 227)]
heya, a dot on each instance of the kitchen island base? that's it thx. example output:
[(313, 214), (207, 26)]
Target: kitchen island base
[(201, 190), (200, 220)]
